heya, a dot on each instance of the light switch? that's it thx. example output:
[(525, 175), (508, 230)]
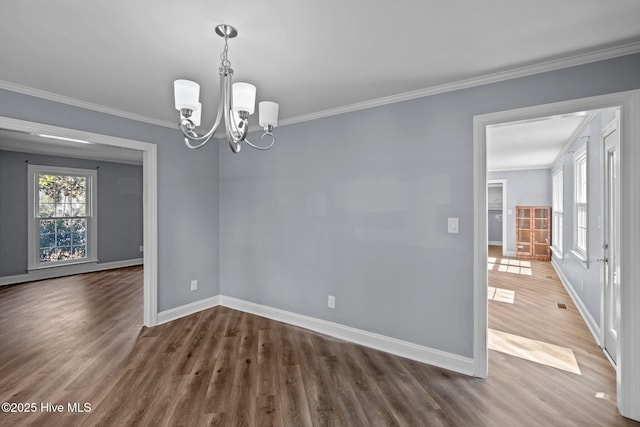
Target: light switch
[(452, 226)]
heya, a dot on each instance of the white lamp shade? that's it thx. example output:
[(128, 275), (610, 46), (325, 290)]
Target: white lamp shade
[(268, 113), (187, 94), (196, 115), (244, 97)]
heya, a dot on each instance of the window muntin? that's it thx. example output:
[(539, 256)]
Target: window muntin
[(580, 229), (63, 223), (558, 213)]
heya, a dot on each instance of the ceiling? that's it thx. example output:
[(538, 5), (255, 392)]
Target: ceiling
[(29, 143), (311, 57), (531, 144)]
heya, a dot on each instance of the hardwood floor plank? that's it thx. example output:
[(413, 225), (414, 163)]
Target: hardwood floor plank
[(80, 338)]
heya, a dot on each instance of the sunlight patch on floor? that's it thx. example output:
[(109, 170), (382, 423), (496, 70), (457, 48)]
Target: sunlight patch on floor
[(514, 266), (491, 262), (541, 352), (501, 295)]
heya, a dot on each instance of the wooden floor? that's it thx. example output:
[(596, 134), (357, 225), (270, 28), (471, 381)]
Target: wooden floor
[(80, 339)]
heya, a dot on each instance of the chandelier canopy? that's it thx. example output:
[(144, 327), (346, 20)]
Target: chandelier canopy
[(236, 104)]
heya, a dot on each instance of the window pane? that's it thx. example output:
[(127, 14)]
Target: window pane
[(62, 195), (47, 233), (63, 239), (47, 210), (79, 231), (78, 209)]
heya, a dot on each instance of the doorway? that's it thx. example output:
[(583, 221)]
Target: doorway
[(628, 372), (611, 239), (496, 211), (149, 167)]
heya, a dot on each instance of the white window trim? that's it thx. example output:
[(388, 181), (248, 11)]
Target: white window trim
[(558, 214), (33, 262), (581, 254)]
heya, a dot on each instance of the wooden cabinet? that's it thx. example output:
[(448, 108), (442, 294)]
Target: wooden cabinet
[(533, 232)]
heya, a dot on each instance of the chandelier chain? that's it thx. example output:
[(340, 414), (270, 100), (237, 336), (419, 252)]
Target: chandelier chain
[(223, 56)]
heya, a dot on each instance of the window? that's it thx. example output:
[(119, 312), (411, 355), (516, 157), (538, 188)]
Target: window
[(558, 214), (62, 216), (580, 229)]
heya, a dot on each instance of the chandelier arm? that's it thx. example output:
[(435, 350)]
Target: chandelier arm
[(191, 135), (257, 147), (227, 101), (240, 135)]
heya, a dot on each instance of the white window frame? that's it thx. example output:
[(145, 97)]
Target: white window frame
[(580, 203), (33, 233), (557, 230)]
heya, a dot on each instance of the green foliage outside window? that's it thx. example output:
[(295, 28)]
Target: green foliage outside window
[(62, 211)]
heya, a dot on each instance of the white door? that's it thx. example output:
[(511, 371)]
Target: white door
[(611, 259)]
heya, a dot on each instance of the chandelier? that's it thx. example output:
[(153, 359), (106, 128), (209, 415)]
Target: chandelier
[(236, 104)]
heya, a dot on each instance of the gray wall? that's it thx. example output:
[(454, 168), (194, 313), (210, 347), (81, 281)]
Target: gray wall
[(524, 188), (584, 279), (119, 208), (187, 193), (353, 205), (356, 206)]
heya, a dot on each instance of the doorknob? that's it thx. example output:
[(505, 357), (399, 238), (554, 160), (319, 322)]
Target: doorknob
[(602, 260)]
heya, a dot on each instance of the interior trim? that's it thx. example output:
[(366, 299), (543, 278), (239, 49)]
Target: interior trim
[(67, 270), (588, 319), (384, 343), (149, 196), (554, 64), (628, 372), (74, 102)]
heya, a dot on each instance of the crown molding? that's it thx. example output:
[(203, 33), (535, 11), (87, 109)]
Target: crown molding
[(50, 96), (555, 64)]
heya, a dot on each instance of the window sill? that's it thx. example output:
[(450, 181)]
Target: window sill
[(65, 264), (582, 258)]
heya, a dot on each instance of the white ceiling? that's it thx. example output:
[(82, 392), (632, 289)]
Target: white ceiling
[(308, 56), (530, 144), (28, 143)]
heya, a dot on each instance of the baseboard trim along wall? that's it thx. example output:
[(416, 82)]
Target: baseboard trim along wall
[(187, 309), (588, 319), (54, 272), (384, 343), (442, 359)]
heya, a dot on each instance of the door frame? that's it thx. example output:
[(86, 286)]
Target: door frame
[(604, 232), (149, 196), (628, 372), (503, 184)]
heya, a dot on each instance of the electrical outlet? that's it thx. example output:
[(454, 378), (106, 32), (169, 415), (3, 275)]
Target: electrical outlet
[(331, 301), (194, 285), (141, 248), (582, 285)]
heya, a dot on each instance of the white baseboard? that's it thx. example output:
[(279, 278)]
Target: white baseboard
[(187, 309), (53, 272), (384, 343), (495, 243), (588, 319), (509, 253), (387, 344)]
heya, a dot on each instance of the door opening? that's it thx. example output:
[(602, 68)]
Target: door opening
[(611, 241)]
